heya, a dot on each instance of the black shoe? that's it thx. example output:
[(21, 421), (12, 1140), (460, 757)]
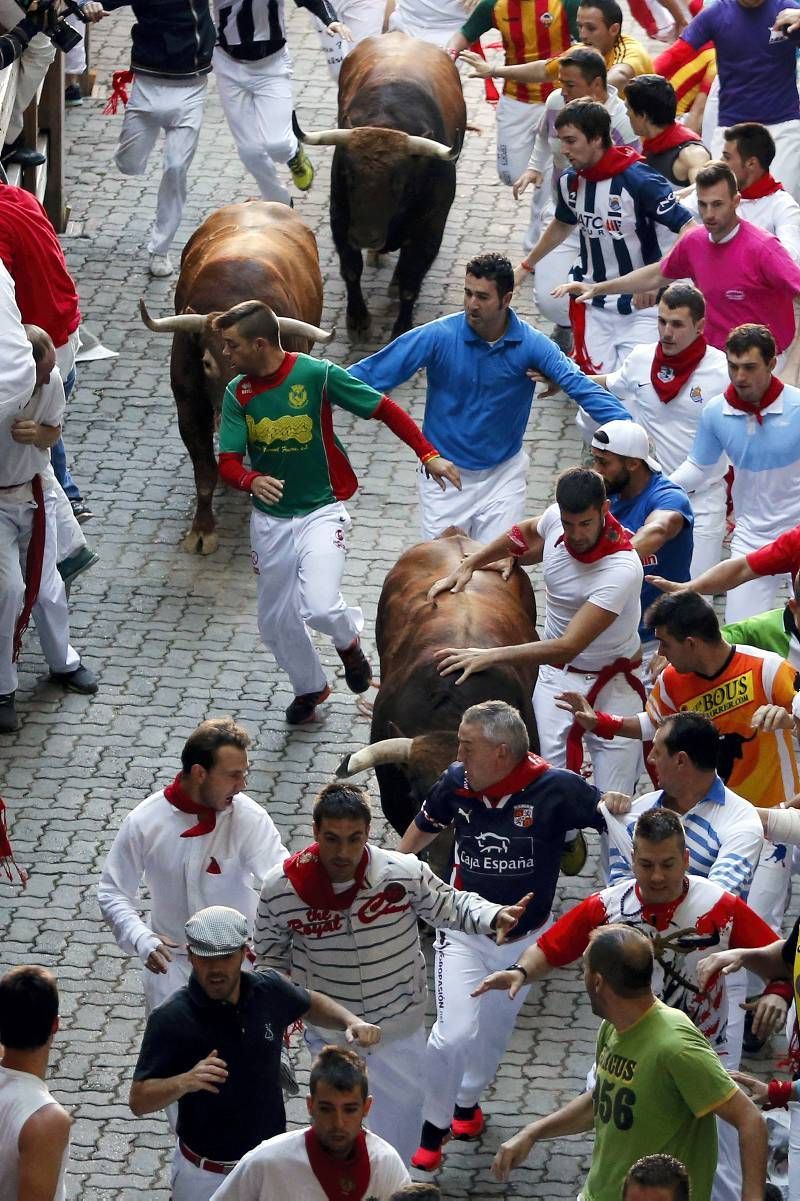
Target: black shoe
[(72, 96), (9, 722), (80, 680), (23, 156), (81, 511), (357, 671), (75, 564), (303, 708)]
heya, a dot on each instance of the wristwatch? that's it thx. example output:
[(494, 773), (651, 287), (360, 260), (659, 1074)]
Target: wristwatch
[(517, 967)]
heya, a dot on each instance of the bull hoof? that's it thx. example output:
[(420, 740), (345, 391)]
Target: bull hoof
[(373, 258), (394, 287), (198, 543), (358, 323)]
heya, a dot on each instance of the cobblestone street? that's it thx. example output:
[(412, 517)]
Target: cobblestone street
[(173, 637)]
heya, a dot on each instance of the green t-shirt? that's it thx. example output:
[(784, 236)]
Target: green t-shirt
[(285, 426), (767, 631), (657, 1085)]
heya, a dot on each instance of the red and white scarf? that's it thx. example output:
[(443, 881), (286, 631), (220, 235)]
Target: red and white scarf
[(669, 373), (176, 796), (311, 882), (613, 537), (744, 406)]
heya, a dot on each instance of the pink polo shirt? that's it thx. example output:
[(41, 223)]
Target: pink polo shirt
[(747, 277)]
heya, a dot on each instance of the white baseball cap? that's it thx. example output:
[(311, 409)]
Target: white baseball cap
[(217, 930), (627, 439)]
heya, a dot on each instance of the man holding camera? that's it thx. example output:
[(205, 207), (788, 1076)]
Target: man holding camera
[(45, 31)]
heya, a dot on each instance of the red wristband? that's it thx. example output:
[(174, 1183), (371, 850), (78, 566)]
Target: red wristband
[(525, 265), (518, 544), (607, 725), (779, 1094), (780, 988)]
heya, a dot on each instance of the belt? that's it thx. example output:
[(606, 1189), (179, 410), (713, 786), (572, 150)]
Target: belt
[(208, 1165)]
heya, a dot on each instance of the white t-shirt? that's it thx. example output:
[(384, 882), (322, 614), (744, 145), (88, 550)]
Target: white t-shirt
[(18, 374), (671, 426), (428, 20), (20, 461), (21, 1096), (613, 583), (278, 1170)]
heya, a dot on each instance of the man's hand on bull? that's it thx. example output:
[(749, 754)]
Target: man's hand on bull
[(582, 292), (442, 470), (339, 29), (480, 68), (267, 489), (509, 916), (467, 660), (577, 704), (769, 718)]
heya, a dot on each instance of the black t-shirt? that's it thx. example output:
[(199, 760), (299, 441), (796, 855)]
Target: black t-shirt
[(248, 1036)]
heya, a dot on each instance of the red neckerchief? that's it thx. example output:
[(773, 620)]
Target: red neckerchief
[(312, 883), (613, 537), (34, 562), (615, 160), (676, 367), (766, 186), (674, 135), (176, 796), (772, 393), (661, 915), (7, 860), (341, 1179), (530, 769)]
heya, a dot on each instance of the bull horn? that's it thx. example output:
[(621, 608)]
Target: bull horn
[(329, 137), (184, 323), (427, 148), (390, 750), (301, 329)]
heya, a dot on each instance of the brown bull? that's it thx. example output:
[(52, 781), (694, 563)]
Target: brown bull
[(250, 251), (417, 711), (401, 126)]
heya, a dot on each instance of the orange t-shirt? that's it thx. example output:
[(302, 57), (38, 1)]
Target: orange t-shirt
[(763, 768)]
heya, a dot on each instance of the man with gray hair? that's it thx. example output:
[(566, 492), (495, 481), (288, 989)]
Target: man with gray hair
[(510, 811)]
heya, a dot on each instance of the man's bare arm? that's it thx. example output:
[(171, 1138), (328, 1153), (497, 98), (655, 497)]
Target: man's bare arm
[(42, 1144), (740, 1112), (719, 578)]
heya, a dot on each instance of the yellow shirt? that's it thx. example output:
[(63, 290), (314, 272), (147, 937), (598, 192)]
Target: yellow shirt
[(627, 51)]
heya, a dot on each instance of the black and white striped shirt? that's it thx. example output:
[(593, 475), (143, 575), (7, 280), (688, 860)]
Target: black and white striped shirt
[(250, 30)]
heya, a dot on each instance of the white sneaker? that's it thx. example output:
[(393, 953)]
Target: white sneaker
[(160, 265)]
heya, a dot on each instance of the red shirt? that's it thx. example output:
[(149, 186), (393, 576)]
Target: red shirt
[(782, 555), (32, 254)]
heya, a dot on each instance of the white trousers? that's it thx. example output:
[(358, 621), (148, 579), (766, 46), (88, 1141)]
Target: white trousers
[(396, 1071), (756, 596), (257, 101), (553, 270), (611, 336), (786, 164), (70, 537), (364, 18), (488, 504), (616, 762), (177, 108), (32, 67), (190, 1183), (75, 59), (709, 508), (437, 35), (299, 562), (50, 612), (471, 1034), (794, 1150), (517, 123)]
